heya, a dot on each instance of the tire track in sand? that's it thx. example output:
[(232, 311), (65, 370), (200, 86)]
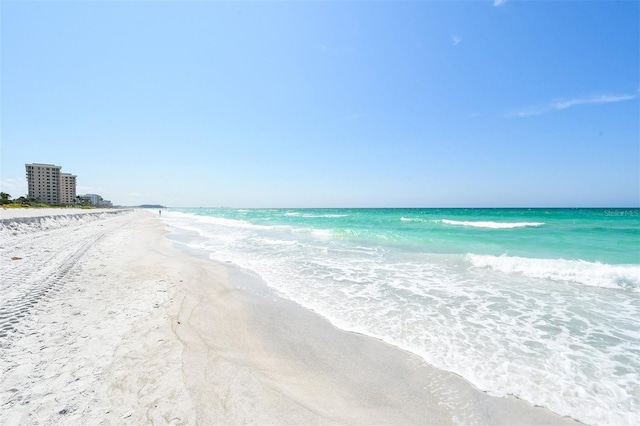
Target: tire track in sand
[(39, 271)]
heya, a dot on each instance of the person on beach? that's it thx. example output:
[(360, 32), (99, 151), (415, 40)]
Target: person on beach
[(159, 212)]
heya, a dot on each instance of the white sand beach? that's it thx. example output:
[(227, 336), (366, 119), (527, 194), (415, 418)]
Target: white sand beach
[(103, 320)]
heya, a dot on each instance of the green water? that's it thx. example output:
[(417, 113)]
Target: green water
[(596, 235), (538, 303)]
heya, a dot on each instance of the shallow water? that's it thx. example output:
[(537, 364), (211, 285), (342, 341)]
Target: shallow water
[(541, 304)]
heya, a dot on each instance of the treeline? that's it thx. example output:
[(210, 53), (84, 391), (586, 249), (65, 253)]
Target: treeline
[(7, 202)]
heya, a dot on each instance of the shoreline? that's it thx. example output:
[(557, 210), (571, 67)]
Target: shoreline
[(138, 330), (349, 372)]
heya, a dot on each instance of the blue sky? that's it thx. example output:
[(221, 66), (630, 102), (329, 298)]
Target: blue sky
[(326, 104)]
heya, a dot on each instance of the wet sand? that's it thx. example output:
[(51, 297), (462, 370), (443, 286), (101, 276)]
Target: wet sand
[(104, 321)]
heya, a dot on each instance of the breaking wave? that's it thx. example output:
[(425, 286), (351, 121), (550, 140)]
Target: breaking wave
[(492, 225), (594, 274)]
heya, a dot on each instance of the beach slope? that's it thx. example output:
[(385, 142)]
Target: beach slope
[(104, 321)]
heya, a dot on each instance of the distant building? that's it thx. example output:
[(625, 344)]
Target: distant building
[(67, 188), (48, 185), (95, 200)]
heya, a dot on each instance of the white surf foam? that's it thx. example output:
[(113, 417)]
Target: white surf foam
[(492, 225), (508, 335), (214, 220), (594, 274), (413, 219)]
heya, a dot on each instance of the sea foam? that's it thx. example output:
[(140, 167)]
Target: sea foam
[(492, 225), (594, 274), (545, 330)]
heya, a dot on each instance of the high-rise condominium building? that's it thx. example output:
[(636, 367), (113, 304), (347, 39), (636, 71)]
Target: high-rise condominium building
[(67, 188), (48, 185)]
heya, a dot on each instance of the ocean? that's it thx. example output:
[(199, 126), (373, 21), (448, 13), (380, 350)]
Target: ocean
[(541, 304)]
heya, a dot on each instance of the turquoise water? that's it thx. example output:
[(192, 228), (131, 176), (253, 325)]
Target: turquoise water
[(542, 304)]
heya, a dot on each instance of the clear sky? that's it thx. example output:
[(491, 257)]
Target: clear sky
[(326, 103)]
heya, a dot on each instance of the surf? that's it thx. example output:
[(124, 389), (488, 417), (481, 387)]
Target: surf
[(491, 224), (593, 274)]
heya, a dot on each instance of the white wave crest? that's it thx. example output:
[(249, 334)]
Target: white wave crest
[(492, 225), (215, 220), (594, 274), (312, 215), (413, 219)]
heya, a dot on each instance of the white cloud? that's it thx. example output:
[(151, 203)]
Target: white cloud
[(499, 2), (560, 104), (16, 187), (456, 39)]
